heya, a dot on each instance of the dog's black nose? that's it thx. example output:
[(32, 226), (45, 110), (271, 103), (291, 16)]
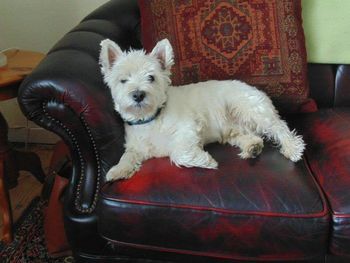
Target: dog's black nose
[(138, 95)]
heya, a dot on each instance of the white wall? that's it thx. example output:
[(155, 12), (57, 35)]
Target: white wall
[(36, 25)]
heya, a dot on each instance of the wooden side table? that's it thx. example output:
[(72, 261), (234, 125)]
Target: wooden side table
[(20, 64)]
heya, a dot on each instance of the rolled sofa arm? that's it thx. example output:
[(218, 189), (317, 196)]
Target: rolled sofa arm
[(66, 95)]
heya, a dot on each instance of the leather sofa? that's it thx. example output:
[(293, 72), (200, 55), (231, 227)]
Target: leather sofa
[(265, 209)]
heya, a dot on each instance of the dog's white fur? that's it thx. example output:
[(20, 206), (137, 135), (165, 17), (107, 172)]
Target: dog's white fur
[(192, 115)]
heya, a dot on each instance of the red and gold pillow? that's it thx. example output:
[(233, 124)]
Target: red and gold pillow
[(260, 42)]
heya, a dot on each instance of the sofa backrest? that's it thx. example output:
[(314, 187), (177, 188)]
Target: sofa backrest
[(329, 84)]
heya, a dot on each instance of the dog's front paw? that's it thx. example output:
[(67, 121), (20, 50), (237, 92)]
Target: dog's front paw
[(118, 172)]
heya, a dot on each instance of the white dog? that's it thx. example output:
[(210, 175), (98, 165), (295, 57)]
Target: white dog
[(162, 120)]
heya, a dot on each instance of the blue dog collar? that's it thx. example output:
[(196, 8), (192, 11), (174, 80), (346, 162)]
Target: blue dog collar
[(139, 122)]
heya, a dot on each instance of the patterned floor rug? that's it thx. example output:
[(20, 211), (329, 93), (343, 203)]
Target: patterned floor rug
[(29, 244)]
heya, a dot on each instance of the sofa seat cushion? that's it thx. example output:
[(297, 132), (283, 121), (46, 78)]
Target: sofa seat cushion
[(327, 134), (265, 208)]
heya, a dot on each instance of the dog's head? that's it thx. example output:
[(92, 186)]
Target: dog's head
[(138, 81)]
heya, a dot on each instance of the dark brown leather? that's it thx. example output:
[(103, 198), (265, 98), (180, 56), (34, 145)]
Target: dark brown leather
[(342, 86), (66, 95), (224, 213), (321, 83), (328, 153), (329, 84)]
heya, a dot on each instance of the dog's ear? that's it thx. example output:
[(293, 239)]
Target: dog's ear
[(110, 51), (163, 51)]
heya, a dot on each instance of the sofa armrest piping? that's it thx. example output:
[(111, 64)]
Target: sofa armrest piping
[(78, 196)]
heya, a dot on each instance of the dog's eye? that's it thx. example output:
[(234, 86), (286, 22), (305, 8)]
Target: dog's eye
[(150, 78), (123, 81)]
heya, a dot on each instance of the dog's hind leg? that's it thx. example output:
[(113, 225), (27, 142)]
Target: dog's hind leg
[(193, 156), (291, 145), (272, 127), (250, 144), (255, 112)]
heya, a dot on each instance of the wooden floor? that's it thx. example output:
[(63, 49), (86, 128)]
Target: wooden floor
[(28, 187)]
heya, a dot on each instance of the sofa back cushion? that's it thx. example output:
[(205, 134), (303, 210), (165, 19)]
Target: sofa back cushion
[(260, 42)]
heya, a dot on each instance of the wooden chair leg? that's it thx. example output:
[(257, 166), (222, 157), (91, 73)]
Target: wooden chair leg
[(14, 161), (5, 206)]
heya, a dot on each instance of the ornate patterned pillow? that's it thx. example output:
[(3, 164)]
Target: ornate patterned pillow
[(259, 41)]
